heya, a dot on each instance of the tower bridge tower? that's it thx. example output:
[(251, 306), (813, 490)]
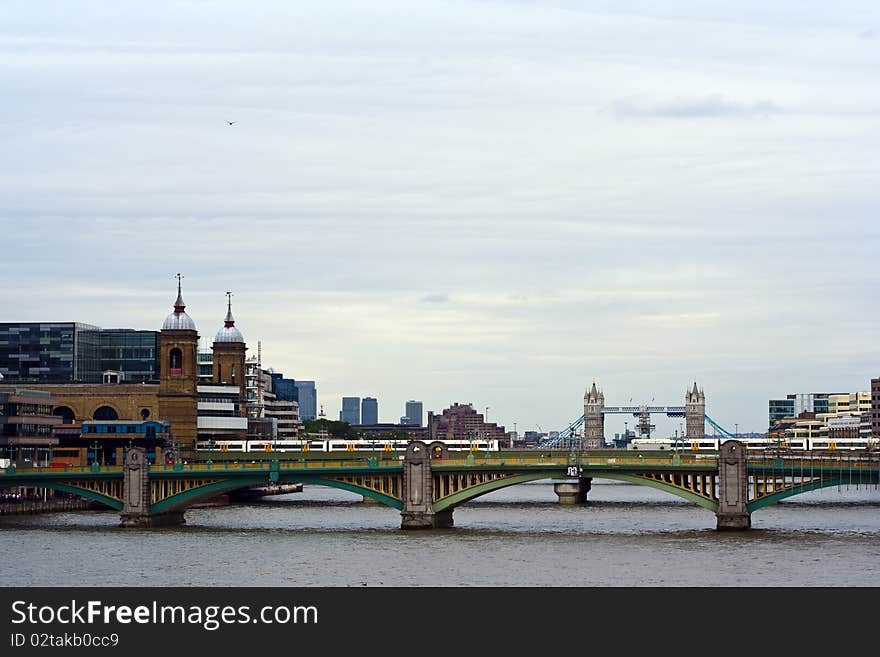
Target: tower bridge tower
[(695, 413), (594, 418)]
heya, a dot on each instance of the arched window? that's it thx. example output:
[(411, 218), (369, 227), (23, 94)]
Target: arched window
[(175, 362), (233, 374), (220, 372), (66, 414), (105, 413)]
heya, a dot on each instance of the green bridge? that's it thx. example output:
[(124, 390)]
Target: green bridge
[(427, 482)]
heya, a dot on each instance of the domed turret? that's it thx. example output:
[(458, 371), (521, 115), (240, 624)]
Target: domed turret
[(229, 333), (179, 320)]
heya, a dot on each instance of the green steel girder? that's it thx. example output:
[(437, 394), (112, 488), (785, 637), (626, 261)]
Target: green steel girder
[(653, 483), (112, 502), (467, 494), (193, 495), (387, 500), (772, 498)]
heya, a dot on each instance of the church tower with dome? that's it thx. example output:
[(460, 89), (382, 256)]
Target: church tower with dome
[(179, 373), (229, 356)]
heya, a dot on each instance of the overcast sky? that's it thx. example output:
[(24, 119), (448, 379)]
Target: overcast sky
[(474, 201)]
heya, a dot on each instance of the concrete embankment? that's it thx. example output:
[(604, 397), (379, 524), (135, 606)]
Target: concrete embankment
[(29, 507)]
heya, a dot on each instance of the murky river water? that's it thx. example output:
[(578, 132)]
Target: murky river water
[(627, 536)]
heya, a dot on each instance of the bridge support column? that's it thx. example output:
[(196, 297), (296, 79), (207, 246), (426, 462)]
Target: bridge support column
[(418, 491), (136, 495), (733, 487), (573, 492)]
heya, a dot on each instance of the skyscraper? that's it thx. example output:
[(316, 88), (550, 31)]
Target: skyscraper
[(351, 410), (414, 413), (308, 400), (369, 411)]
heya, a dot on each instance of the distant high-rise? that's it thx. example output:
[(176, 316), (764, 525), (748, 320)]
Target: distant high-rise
[(308, 400), (414, 414), (369, 411), (351, 410)]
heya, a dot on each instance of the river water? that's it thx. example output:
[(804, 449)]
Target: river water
[(627, 535)]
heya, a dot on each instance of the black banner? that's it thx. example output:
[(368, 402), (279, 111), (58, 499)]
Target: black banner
[(170, 621)]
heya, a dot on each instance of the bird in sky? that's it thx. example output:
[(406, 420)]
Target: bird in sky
[(230, 122)]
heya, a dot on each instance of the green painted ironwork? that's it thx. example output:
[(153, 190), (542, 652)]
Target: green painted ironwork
[(467, 494)]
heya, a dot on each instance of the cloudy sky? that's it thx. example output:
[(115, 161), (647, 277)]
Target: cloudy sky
[(492, 202)]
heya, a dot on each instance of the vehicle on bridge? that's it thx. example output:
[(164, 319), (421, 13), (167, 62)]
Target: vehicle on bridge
[(796, 444), (333, 445)]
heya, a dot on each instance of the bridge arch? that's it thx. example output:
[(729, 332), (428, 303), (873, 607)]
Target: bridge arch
[(67, 414), (470, 493), (106, 499), (211, 489), (105, 412), (805, 487)]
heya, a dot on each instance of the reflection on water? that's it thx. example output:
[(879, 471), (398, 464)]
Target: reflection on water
[(626, 536)]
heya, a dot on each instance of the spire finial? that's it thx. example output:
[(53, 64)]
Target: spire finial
[(179, 305), (230, 320)]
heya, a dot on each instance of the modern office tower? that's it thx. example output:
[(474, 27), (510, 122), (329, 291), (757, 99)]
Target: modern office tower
[(369, 411), (414, 414), (875, 407), (307, 396), (73, 352), (283, 389), (351, 410), (62, 352), (132, 352)]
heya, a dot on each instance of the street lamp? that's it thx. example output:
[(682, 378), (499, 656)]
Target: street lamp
[(735, 429)]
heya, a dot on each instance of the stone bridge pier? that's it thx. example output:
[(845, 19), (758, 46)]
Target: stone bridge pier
[(418, 488), (573, 492), (136, 495), (733, 487)]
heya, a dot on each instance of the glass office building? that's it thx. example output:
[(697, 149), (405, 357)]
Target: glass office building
[(61, 352), (369, 410), (307, 396), (351, 410), (73, 352), (136, 353)]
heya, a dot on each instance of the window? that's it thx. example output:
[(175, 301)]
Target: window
[(175, 361)]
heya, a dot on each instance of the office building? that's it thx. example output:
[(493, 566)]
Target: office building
[(413, 414), (369, 411), (351, 410), (74, 352), (283, 389), (26, 423), (307, 396), (795, 404)]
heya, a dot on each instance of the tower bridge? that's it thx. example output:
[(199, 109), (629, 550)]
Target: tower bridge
[(595, 410)]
